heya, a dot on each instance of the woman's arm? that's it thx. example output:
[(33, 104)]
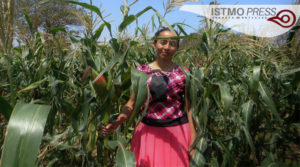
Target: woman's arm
[(191, 121), (126, 113)]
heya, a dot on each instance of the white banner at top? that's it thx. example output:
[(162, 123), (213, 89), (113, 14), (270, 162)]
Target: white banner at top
[(257, 20)]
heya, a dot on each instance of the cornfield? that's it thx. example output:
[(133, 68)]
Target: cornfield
[(245, 94)]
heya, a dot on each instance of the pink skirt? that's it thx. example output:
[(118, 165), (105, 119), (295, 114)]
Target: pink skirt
[(161, 146)]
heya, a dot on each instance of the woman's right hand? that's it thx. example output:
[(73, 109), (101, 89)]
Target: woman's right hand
[(109, 127), (126, 112)]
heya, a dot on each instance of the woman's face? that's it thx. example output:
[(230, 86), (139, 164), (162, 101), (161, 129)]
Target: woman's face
[(165, 48)]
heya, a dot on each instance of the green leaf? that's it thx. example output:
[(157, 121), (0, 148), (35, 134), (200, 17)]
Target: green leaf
[(87, 6), (84, 110), (214, 162), (139, 82), (205, 38), (179, 25), (143, 11), (269, 160), (295, 72), (33, 85), (247, 112), (52, 162), (108, 107), (153, 22), (164, 21), (98, 32), (169, 38), (55, 30), (274, 141), (250, 142), (198, 158), (124, 10), (92, 133), (128, 20), (253, 80), (112, 63), (133, 43), (94, 9), (226, 97), (5, 108), (124, 158), (182, 30), (267, 98), (228, 159), (28, 21), (131, 18), (24, 135), (115, 45), (203, 114)]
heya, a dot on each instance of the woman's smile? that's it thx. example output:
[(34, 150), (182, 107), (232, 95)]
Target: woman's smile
[(165, 53)]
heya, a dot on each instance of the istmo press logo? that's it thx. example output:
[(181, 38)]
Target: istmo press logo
[(257, 20)]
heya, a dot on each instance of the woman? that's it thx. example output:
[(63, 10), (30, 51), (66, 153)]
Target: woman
[(165, 133)]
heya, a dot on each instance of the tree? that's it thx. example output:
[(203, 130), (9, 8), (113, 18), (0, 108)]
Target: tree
[(6, 24), (47, 15)]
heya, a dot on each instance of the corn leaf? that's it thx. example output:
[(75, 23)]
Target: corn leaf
[(254, 78), (267, 98), (250, 141), (55, 30), (226, 97), (139, 82), (124, 158), (94, 9), (247, 112), (131, 18), (98, 32), (33, 85), (27, 18), (198, 158), (24, 135)]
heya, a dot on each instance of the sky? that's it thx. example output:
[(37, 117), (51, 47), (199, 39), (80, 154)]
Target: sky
[(112, 7)]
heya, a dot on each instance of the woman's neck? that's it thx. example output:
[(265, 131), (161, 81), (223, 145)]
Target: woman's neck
[(162, 65)]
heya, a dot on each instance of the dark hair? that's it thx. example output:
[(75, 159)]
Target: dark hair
[(165, 29)]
